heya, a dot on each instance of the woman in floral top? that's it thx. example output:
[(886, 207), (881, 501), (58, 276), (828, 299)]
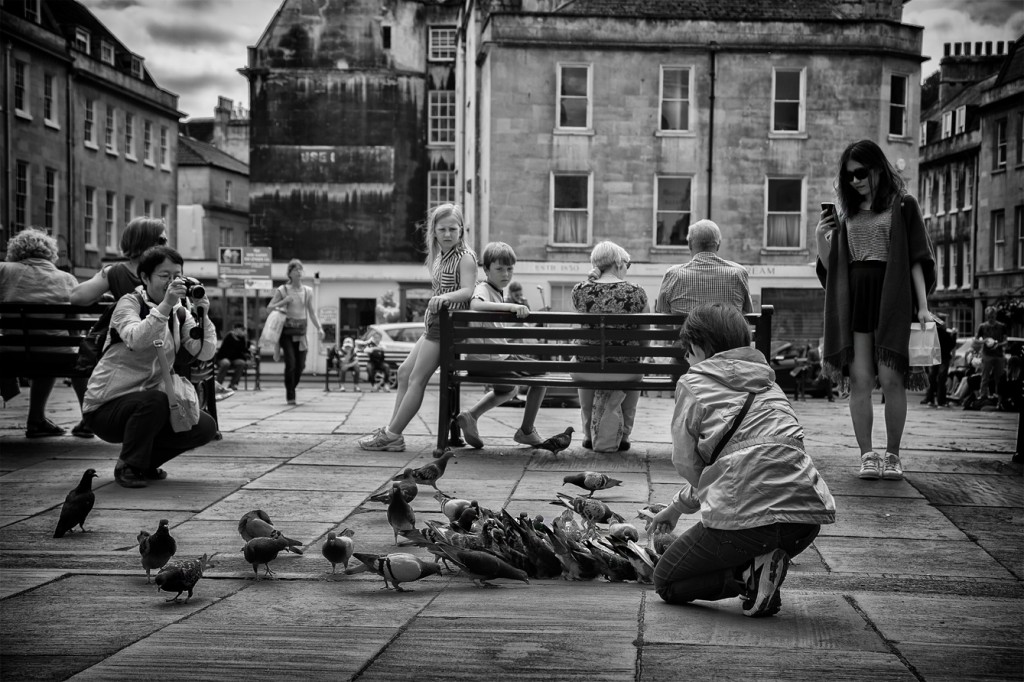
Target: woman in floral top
[(608, 415)]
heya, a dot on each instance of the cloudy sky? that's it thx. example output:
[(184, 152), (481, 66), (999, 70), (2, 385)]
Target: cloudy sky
[(194, 48)]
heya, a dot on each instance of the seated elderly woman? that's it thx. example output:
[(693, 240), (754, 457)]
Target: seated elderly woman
[(124, 402), (31, 276), (608, 415)]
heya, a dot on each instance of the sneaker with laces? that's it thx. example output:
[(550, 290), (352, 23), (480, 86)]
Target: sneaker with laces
[(531, 438), (762, 580), (380, 440), (892, 469), (870, 466), (467, 423)]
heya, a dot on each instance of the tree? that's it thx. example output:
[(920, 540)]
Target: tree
[(930, 91)]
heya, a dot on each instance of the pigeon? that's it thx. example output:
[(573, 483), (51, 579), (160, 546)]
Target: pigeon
[(77, 505), (451, 507), (262, 551), (400, 514), (257, 524), (479, 566), (539, 551), (592, 481), (623, 531), (398, 568), (409, 489), (181, 576), (649, 512), (156, 549), (556, 443), (594, 511), (464, 523), (614, 567), (338, 548), (428, 473)]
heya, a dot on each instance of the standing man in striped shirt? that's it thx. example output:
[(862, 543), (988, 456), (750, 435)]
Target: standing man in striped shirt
[(706, 278)]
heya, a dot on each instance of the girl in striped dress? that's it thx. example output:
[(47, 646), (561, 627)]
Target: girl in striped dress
[(453, 269)]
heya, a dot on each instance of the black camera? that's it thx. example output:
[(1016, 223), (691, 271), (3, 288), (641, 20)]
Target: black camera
[(194, 289)]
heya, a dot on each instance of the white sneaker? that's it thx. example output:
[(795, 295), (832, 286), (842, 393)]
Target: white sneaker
[(870, 466), (892, 469), (531, 438), (380, 440), (467, 423)]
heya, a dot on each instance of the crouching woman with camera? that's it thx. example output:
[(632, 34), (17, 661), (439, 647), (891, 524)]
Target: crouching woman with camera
[(125, 401)]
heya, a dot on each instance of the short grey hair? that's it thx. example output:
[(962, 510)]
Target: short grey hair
[(32, 243), (704, 235)]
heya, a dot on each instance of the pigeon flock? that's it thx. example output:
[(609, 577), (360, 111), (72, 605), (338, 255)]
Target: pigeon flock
[(585, 540)]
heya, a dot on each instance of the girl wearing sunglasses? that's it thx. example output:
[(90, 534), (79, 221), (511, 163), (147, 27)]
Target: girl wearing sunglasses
[(877, 268)]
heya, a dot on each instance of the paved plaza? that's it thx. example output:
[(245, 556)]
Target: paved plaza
[(917, 580)]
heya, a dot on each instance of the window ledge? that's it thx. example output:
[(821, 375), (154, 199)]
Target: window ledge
[(899, 139), (782, 135), (22, 114), (568, 248), (166, 169), (998, 171), (670, 248), (785, 251), (675, 133), (130, 157), (149, 163), (111, 152), (50, 123), (581, 132), (91, 145), (90, 247), (440, 145)]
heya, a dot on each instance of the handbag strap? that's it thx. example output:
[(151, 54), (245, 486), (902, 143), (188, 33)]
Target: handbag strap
[(732, 429), (165, 369)]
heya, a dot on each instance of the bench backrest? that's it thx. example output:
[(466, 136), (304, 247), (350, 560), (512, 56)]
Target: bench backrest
[(29, 326), (572, 342)]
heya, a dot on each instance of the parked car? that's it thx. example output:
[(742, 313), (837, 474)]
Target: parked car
[(395, 339), (783, 360)]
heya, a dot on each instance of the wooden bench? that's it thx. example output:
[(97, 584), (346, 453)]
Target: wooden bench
[(34, 351), (556, 342)]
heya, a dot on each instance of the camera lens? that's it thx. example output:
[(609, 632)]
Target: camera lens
[(197, 291)]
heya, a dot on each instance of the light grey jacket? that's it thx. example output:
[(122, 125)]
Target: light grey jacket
[(132, 366), (763, 476)]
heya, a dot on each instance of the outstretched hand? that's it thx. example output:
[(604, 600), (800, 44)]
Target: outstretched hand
[(665, 520)]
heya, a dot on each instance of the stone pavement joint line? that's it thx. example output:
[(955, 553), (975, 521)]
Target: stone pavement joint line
[(917, 579)]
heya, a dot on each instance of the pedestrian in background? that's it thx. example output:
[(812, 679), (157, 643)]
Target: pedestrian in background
[(877, 269), (515, 295), (453, 270), (295, 300), (233, 355), (938, 375), (992, 334), (348, 361)]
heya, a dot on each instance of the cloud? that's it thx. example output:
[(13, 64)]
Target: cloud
[(190, 35), (962, 21), (101, 5)]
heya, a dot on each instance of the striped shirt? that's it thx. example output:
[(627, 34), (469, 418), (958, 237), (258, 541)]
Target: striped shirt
[(444, 277), (707, 278), (868, 235)]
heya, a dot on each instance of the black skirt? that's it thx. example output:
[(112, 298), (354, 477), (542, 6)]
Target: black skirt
[(866, 279)]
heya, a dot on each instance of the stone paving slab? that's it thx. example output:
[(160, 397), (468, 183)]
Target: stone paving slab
[(901, 556), (962, 621), (972, 491), (890, 517), (952, 663), (106, 531), (997, 530), (285, 505)]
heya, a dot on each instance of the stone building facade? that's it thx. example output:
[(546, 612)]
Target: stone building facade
[(89, 138), (628, 121)]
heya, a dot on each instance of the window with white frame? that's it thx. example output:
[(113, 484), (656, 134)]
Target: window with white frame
[(50, 100), (940, 266), (933, 195), (109, 228), (783, 214), (966, 284), (106, 52), (440, 188), (960, 179), (898, 105), (1018, 228), (137, 67), (673, 209), (947, 190), (228, 192), (21, 204), (21, 88), (954, 265), (89, 124), (926, 194), (947, 124), (50, 201), (999, 145), (32, 10), (442, 44), (227, 236), (960, 124), (129, 136), (1020, 137), (129, 209), (676, 102), (109, 132), (83, 41), (998, 221), (165, 144), (147, 142), (787, 100), (969, 191), (574, 96), (89, 218), (441, 120), (570, 208), (147, 208), (165, 215)]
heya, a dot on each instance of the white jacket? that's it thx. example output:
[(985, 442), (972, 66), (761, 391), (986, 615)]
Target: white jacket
[(763, 476)]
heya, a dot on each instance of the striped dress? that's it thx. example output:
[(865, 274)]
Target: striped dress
[(868, 235), (444, 278)]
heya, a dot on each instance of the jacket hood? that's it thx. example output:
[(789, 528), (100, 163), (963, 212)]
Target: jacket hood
[(740, 369)]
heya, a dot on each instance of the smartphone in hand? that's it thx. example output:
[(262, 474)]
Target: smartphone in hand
[(829, 209)]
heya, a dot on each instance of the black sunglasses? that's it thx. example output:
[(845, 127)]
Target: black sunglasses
[(161, 241), (859, 173)]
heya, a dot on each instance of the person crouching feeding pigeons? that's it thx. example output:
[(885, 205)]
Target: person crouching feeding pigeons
[(124, 402), (740, 449)]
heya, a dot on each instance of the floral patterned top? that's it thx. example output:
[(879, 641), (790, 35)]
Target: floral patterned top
[(610, 297)]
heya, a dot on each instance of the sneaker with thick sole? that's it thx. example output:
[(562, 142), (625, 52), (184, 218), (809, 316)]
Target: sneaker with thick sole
[(467, 423), (379, 440), (763, 579), (892, 468), (870, 466), (531, 438)]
